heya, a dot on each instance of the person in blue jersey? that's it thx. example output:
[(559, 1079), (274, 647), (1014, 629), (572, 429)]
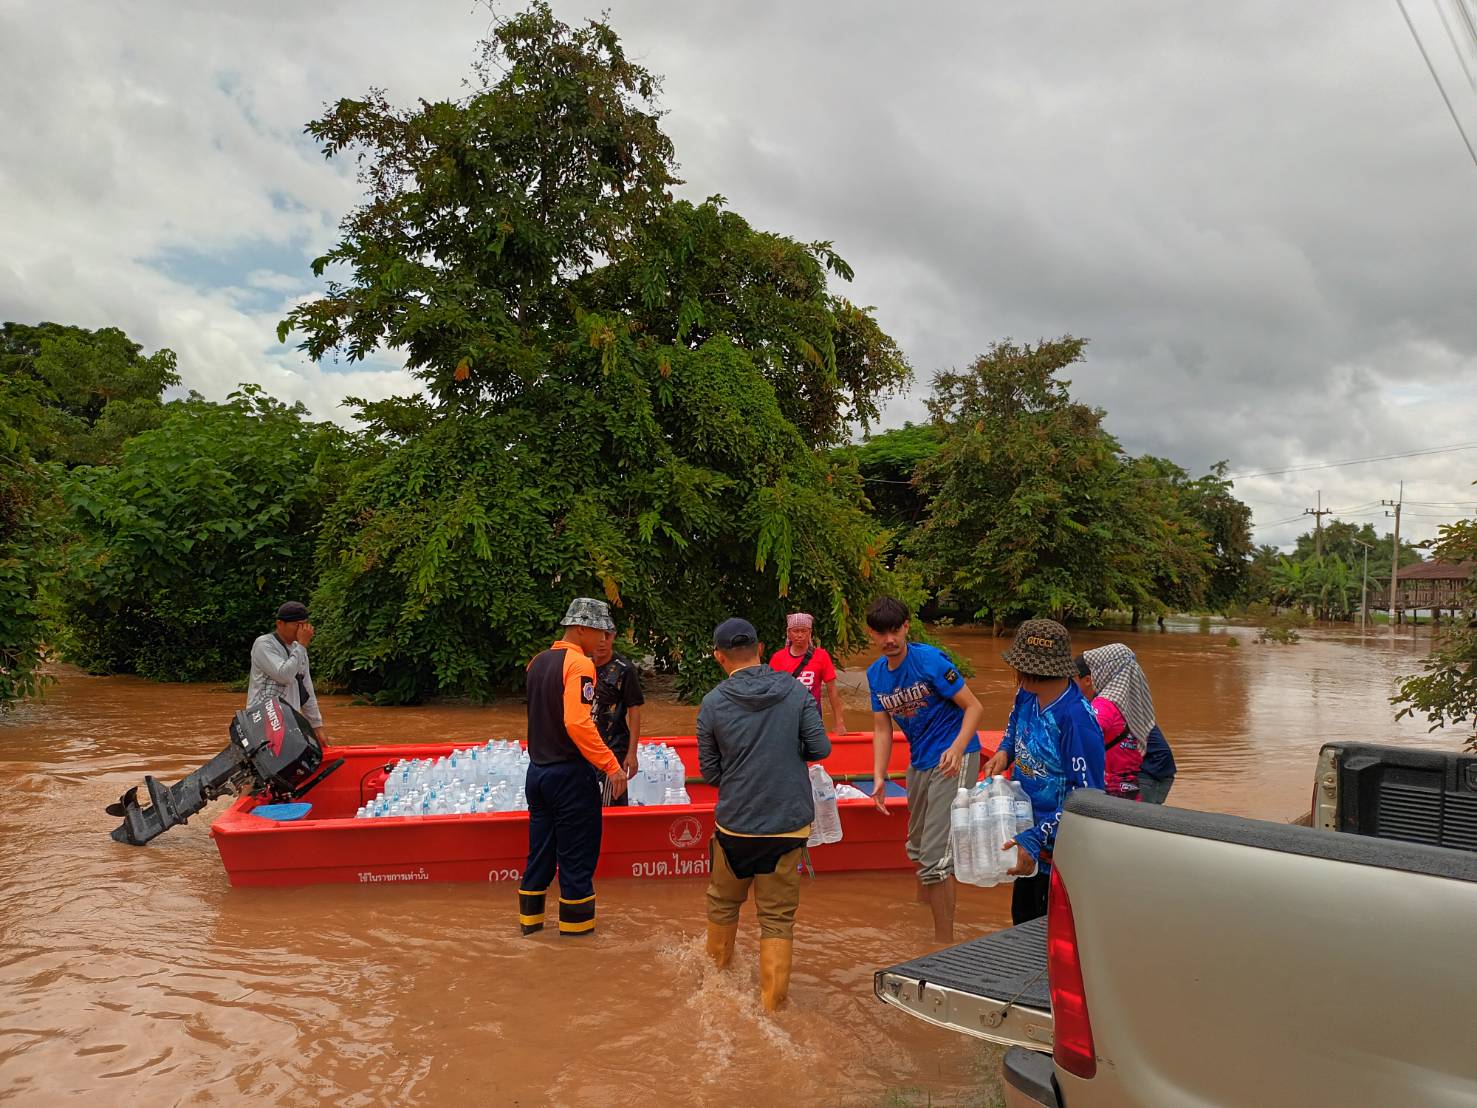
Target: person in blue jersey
[(1055, 744), (917, 689)]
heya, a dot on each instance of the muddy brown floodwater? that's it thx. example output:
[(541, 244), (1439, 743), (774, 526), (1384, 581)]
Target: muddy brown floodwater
[(131, 974)]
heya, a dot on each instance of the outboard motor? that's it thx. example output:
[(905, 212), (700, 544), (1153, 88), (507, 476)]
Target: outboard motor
[(272, 749)]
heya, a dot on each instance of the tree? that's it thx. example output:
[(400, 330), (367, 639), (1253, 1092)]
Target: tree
[(29, 526), (1227, 524), (1174, 548), (76, 395), (1446, 693), (1030, 510), (628, 395), (1330, 586), (186, 547), (887, 463)]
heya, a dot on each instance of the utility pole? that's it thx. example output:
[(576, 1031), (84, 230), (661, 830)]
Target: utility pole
[(1364, 586), (1395, 549), (1318, 513)]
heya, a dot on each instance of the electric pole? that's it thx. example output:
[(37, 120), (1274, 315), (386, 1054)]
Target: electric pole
[(1318, 513), (1364, 586), (1395, 550)]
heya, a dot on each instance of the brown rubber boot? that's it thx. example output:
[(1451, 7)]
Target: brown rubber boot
[(720, 942), (774, 972)]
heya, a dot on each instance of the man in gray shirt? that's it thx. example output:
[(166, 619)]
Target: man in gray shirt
[(755, 733), (279, 665)]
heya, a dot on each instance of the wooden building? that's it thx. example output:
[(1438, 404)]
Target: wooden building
[(1431, 586)]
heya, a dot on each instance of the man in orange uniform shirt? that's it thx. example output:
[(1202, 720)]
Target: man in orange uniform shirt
[(565, 759)]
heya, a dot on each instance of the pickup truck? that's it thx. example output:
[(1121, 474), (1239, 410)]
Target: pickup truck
[(1189, 958)]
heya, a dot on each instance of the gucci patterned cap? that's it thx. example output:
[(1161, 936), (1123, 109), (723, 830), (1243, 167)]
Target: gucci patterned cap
[(1042, 648)]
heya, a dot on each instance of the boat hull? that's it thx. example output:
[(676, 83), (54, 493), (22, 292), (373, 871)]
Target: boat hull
[(332, 847)]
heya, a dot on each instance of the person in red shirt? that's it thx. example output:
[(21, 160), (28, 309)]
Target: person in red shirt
[(809, 664)]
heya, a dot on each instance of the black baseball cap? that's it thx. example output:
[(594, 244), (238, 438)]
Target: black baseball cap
[(293, 611), (734, 632)]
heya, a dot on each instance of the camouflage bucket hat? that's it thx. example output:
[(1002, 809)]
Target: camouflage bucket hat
[(1042, 648), (585, 612)]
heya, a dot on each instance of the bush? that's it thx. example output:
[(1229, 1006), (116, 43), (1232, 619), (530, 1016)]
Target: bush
[(186, 548), (28, 533)]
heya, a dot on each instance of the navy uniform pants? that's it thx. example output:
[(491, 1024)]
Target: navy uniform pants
[(564, 823)]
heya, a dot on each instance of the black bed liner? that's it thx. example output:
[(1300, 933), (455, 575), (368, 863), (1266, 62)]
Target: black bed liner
[(992, 987), (1007, 965)]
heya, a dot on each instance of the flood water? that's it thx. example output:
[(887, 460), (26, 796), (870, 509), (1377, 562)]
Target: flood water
[(139, 973)]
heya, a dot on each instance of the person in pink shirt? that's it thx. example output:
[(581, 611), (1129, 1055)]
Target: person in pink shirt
[(1123, 753), (809, 664)]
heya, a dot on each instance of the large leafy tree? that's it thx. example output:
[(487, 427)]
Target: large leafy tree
[(68, 396), (627, 394), (1031, 509), (29, 527), (75, 395), (1446, 693), (187, 546), (888, 462)]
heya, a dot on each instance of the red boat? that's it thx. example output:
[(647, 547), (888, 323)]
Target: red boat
[(331, 846)]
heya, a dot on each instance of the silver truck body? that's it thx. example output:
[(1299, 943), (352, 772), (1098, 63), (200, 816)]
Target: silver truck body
[(1236, 962)]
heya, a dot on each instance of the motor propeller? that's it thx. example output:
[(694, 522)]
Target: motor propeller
[(272, 749)]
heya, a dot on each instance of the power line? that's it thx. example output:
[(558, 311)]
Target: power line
[(1354, 461), (1450, 107)]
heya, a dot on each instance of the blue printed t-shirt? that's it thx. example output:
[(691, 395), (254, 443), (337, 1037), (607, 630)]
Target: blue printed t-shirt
[(916, 695), (1055, 749)]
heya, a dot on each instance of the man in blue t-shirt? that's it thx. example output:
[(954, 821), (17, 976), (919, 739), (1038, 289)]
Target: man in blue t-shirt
[(1054, 742), (915, 687)]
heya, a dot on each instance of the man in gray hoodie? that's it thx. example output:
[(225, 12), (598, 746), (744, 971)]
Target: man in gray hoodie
[(755, 733)]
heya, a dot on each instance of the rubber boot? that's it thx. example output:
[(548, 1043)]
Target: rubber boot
[(774, 972), (720, 942)]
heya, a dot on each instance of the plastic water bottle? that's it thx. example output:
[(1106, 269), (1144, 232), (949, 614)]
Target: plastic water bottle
[(987, 869), (826, 827), (960, 841), (831, 814), (1001, 808)]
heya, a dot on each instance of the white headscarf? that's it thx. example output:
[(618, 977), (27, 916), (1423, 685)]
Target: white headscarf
[(1117, 676)]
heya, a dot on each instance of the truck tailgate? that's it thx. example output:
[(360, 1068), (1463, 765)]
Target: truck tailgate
[(993, 988)]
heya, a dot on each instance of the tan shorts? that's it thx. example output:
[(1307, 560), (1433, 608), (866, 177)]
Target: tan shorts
[(776, 895), (930, 795)]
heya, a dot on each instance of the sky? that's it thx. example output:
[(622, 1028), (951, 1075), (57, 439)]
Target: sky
[(1261, 215)]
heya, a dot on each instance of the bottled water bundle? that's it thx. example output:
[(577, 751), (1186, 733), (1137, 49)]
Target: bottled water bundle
[(660, 777), (486, 778), (827, 825), (981, 822)]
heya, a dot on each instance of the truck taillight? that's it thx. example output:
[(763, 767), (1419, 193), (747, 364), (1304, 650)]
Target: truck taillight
[(1072, 1028)]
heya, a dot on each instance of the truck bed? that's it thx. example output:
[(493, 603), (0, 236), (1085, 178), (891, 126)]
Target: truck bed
[(993, 987)]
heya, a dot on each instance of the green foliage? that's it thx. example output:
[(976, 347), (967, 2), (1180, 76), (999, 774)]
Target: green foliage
[(1278, 632), (188, 545), (449, 560), (481, 212), (629, 395), (1331, 585), (29, 528), (1446, 693), (68, 396), (1032, 508), (75, 395), (887, 463)]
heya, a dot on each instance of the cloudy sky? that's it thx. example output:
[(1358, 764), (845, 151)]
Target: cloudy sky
[(1261, 214)]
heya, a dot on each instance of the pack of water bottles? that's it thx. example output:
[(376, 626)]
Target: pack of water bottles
[(981, 822), (486, 778), (826, 827), (660, 777)]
